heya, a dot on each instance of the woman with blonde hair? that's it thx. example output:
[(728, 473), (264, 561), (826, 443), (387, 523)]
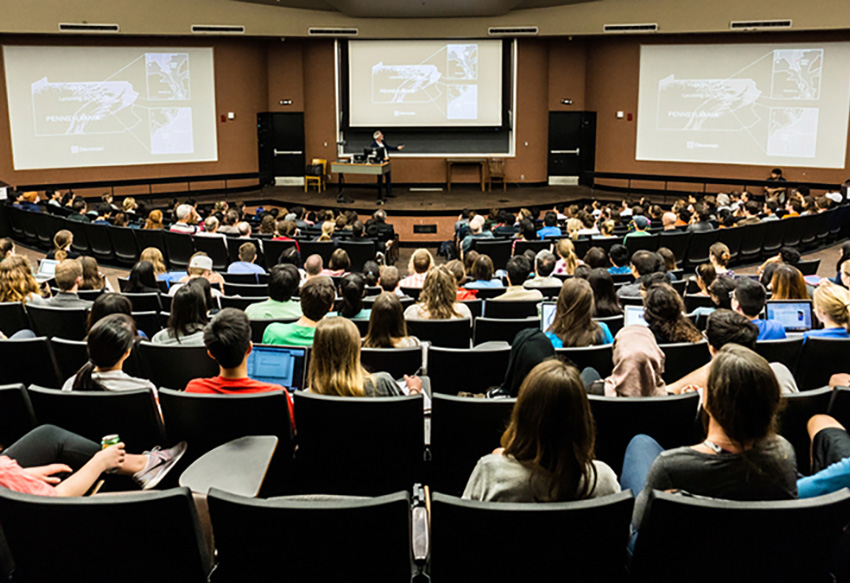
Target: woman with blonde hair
[(327, 232), (154, 221), (17, 283), (573, 227), (438, 299), (154, 256), (573, 324), (547, 452), (832, 308), (335, 367), (62, 242), (568, 261), (129, 205)]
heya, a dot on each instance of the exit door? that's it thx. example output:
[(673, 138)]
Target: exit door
[(572, 147), (280, 146)]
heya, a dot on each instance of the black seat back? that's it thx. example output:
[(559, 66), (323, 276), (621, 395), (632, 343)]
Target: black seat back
[(67, 323), (174, 366), (13, 318), (16, 414), (786, 351), (151, 238), (147, 302), (99, 241), (395, 361), (511, 308), (675, 241), (799, 408), (498, 251), (28, 361), (453, 370), (123, 244), (359, 252), (599, 357), (839, 405), (682, 358), (820, 359), (444, 333), (180, 249), (323, 249), (774, 235), (215, 248), (246, 290), (752, 242), (505, 329), (70, 355), (389, 450)]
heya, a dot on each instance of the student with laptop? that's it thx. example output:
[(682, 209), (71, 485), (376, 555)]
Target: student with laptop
[(832, 308), (228, 341), (69, 275), (748, 299)]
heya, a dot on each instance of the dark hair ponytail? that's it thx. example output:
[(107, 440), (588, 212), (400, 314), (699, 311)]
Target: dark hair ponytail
[(107, 342)]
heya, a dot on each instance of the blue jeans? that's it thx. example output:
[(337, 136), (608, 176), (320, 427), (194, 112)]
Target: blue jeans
[(640, 453)]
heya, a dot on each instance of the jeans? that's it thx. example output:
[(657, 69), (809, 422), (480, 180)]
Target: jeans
[(48, 444), (640, 453)]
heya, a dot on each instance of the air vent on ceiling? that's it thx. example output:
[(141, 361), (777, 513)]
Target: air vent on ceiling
[(759, 24), (630, 27), (217, 29), (512, 30), (333, 31), (85, 27)]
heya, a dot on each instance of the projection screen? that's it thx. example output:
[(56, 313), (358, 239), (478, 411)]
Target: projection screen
[(72, 107), (763, 104), (425, 83)]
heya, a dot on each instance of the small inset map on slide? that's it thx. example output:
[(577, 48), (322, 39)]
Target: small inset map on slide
[(120, 104), (448, 79), (797, 74)]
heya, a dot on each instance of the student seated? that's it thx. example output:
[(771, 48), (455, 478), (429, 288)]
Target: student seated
[(389, 278), (109, 343), (742, 457), (387, 327), (573, 324), (605, 302), (438, 300), (643, 264), (619, 257), (200, 265), (142, 279), (352, 288), (247, 257), (547, 450), (529, 348), (421, 262), (17, 283), (482, 274), (518, 269), (30, 464), (317, 299), (664, 312), (748, 299), (544, 265), (93, 279), (69, 276), (830, 458), (638, 366), (283, 301), (832, 308), (187, 318)]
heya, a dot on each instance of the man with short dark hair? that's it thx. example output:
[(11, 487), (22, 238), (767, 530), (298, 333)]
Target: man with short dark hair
[(550, 226), (644, 263), (79, 214), (770, 207), (317, 299), (728, 327), (506, 227), (68, 276), (544, 265), (748, 299), (619, 258), (703, 218), (389, 278), (247, 256), (751, 214), (283, 299), (518, 269), (793, 208), (775, 176), (476, 228), (228, 341)]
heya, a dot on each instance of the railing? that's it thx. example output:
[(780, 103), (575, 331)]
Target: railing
[(150, 182)]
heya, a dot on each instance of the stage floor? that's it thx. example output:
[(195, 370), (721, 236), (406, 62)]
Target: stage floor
[(412, 202)]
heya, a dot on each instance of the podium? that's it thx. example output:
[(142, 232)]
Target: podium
[(343, 168)]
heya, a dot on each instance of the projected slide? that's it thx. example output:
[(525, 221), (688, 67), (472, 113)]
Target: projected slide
[(782, 105), (425, 83), (107, 106)]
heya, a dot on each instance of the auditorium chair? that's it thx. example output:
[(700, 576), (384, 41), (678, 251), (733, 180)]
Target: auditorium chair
[(614, 323), (81, 239), (233, 245), (406, 302), (505, 329), (246, 290), (809, 267), (781, 541), (16, 414), (605, 243), (13, 318), (682, 358), (100, 535), (675, 241), (148, 322), (621, 278), (504, 541), (359, 252), (67, 323), (395, 361), (537, 246), (258, 327), (599, 357), (476, 306), (839, 405), (46, 227), (411, 292), (373, 535), (272, 251), (692, 302), (787, 351), (793, 231), (100, 242), (798, 409), (808, 227), (144, 302), (174, 366), (123, 245), (454, 370), (698, 249), (180, 249), (240, 303), (488, 293), (774, 236), (132, 414), (670, 420), (365, 447), (462, 431), (322, 248), (444, 333), (498, 251), (732, 238), (648, 243), (820, 359), (215, 248), (511, 308), (28, 361), (752, 242)]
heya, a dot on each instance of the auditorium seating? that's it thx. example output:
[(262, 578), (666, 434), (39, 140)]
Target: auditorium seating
[(820, 359), (16, 413), (797, 411), (395, 361), (474, 371)]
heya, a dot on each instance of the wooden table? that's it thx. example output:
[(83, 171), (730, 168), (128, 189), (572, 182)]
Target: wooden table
[(343, 168), (238, 466), (451, 162)]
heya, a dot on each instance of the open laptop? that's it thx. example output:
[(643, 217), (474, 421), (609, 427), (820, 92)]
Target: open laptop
[(280, 365), (46, 270), (547, 314), (633, 315), (794, 315)]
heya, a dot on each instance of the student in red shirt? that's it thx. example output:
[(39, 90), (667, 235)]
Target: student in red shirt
[(228, 341)]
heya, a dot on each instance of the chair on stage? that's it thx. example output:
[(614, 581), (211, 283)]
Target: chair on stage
[(496, 171), (316, 173)]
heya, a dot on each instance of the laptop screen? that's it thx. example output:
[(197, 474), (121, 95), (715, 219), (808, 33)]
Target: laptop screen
[(633, 315), (280, 365), (547, 314), (794, 315), (47, 267)]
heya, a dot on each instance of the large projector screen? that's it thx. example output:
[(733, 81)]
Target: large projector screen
[(425, 83), (72, 107), (764, 104)]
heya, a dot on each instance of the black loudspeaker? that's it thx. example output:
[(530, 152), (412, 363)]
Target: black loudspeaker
[(265, 148)]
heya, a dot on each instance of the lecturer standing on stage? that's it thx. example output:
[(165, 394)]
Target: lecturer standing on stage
[(384, 154)]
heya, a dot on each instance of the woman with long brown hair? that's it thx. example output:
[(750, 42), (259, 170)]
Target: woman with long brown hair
[(387, 328), (17, 283), (573, 324), (547, 450), (664, 311), (335, 367), (438, 299), (93, 279), (787, 283)]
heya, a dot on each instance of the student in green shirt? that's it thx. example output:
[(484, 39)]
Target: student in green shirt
[(640, 224), (283, 285), (317, 299)]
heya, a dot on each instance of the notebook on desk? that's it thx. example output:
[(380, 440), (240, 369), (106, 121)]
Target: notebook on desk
[(280, 365)]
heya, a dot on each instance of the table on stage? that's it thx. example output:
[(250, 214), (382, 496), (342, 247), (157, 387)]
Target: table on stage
[(343, 168), (451, 162)]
